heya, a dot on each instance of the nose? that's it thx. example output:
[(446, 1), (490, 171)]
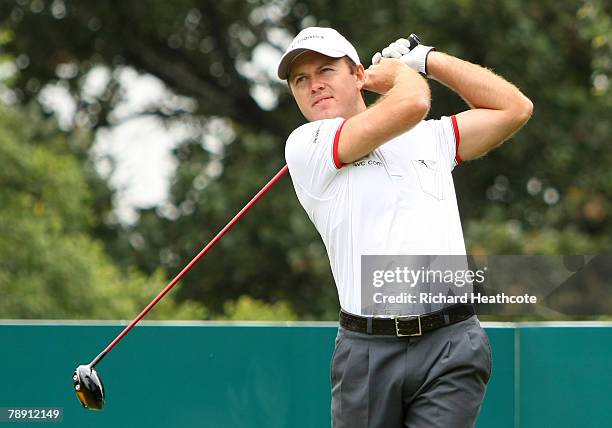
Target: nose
[(316, 84)]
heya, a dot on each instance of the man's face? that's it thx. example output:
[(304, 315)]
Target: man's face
[(324, 87)]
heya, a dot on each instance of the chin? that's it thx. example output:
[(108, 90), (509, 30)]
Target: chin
[(326, 114)]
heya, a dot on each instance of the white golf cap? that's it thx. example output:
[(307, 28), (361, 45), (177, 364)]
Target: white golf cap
[(326, 41)]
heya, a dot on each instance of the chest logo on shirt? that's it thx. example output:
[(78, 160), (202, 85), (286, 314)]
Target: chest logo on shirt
[(369, 162), (316, 135), (427, 165)]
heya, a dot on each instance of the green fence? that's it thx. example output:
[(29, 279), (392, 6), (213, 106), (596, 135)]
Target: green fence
[(268, 376)]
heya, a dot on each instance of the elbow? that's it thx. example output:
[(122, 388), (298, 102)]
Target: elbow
[(422, 101), (413, 104), (413, 109), (524, 110), (417, 107), (519, 112), (422, 105)]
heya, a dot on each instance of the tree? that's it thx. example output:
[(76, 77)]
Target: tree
[(552, 182), (49, 266)]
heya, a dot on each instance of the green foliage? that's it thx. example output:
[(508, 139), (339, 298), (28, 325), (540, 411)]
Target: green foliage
[(490, 238), (246, 308), (547, 190), (49, 266)]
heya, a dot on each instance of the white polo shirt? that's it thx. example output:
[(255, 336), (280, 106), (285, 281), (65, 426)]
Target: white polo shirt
[(400, 199)]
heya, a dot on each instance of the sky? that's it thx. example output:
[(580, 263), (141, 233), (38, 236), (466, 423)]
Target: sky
[(138, 146), (136, 153)]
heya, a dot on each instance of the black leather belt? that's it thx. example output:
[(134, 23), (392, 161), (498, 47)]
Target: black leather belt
[(409, 325)]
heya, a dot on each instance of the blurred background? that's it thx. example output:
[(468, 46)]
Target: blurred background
[(132, 131)]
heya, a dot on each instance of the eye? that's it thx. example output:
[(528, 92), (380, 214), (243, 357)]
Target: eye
[(327, 69), (298, 79)]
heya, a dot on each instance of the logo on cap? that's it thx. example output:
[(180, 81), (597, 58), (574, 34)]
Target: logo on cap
[(310, 36)]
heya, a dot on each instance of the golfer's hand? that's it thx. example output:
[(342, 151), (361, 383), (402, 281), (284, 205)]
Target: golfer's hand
[(415, 57), (380, 77)]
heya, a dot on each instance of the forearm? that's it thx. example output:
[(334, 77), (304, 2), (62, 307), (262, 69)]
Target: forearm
[(497, 108), (479, 87), (399, 109), (405, 103)]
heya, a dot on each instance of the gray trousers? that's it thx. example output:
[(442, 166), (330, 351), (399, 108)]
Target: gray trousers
[(435, 380)]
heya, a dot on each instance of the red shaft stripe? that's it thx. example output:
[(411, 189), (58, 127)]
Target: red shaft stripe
[(201, 254)]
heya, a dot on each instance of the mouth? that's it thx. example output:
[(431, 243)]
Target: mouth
[(321, 100)]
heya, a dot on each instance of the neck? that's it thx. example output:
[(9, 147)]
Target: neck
[(359, 107)]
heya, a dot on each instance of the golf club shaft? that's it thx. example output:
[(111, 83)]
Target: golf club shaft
[(186, 269)]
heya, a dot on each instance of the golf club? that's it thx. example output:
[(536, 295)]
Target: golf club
[(86, 381)]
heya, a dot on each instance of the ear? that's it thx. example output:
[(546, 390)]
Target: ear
[(360, 76)]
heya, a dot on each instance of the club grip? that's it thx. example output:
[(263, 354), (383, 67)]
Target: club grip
[(414, 41)]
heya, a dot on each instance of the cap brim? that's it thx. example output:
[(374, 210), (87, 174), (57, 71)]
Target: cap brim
[(285, 63)]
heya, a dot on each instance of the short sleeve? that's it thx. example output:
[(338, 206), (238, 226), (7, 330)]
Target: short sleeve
[(311, 153), (446, 133)]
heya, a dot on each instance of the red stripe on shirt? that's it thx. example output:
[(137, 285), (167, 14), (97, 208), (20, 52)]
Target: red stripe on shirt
[(457, 139), (335, 148)]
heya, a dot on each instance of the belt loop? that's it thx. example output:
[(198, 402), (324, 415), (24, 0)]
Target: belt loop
[(446, 319), (369, 325)]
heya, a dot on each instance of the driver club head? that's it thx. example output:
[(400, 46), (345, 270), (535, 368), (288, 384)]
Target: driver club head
[(88, 387)]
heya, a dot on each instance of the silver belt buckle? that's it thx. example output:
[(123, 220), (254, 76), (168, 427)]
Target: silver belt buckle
[(397, 328)]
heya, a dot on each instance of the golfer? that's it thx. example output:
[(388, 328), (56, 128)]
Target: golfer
[(377, 181)]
